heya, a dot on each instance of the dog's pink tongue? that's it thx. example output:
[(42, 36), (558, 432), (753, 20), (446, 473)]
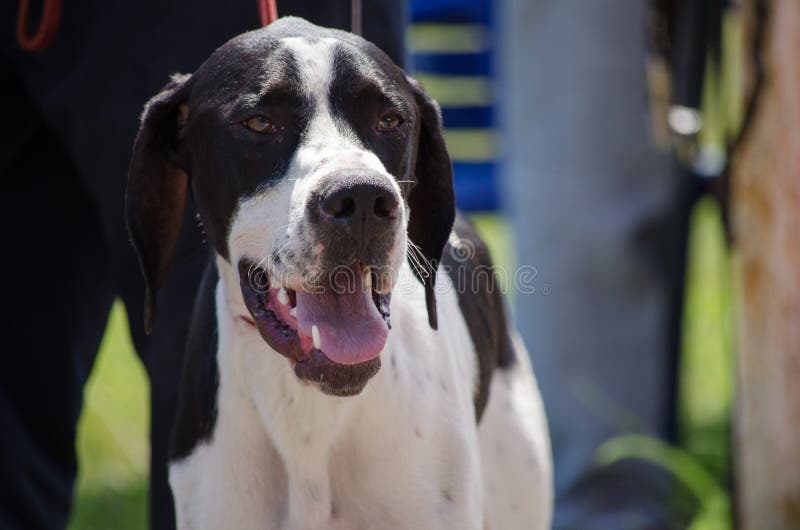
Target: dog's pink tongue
[(351, 330)]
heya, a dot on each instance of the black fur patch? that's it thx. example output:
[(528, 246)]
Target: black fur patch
[(249, 76), (481, 302), (197, 408)]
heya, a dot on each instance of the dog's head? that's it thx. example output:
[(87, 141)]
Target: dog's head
[(317, 166)]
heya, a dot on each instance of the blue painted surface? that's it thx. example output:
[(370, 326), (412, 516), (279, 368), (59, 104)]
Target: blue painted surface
[(450, 11), (454, 117), (476, 183), (454, 63)]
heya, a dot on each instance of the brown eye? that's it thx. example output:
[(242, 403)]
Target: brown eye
[(389, 122), (260, 124)]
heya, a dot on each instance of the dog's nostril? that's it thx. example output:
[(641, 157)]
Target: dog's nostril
[(340, 208), (346, 208), (383, 207)]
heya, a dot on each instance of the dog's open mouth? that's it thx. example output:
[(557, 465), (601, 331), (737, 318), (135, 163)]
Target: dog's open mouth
[(334, 332)]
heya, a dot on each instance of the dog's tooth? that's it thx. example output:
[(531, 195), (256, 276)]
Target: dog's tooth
[(293, 312), (367, 275), (283, 296), (315, 337)]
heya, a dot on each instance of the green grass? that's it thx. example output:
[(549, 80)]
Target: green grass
[(112, 439), (706, 378), (112, 444)]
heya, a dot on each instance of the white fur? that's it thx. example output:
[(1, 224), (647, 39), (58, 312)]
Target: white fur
[(406, 453), (515, 450)]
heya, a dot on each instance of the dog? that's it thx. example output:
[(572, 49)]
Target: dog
[(349, 363)]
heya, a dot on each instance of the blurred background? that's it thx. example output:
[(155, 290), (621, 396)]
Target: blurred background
[(639, 158), (454, 49)]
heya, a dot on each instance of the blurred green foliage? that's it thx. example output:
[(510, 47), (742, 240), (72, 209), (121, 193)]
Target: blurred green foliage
[(113, 447)]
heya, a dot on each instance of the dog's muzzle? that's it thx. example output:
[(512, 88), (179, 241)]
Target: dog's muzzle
[(333, 333), (334, 327)]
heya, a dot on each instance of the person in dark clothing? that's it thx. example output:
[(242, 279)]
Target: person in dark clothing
[(71, 114)]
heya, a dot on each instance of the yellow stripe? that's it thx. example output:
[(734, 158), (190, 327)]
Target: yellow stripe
[(457, 91), (447, 38), (471, 145)]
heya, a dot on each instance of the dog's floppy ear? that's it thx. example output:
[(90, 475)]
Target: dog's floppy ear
[(432, 200), (155, 199)]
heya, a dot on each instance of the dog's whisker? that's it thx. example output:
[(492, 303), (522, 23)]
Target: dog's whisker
[(425, 263), (414, 261), (417, 255), (428, 264)]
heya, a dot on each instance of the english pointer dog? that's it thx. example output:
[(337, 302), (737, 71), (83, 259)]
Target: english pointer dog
[(350, 364)]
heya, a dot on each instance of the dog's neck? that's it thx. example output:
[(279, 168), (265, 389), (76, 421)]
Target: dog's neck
[(252, 372)]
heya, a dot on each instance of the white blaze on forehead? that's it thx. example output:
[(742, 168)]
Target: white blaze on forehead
[(324, 137), (315, 66)]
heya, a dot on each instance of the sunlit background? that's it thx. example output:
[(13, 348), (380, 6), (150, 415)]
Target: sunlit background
[(113, 435)]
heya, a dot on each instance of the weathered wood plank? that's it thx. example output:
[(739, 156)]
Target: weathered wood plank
[(765, 195)]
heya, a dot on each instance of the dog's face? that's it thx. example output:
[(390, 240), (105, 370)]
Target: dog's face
[(315, 163)]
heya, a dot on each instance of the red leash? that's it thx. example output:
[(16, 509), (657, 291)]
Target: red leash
[(48, 25), (51, 18), (267, 11)]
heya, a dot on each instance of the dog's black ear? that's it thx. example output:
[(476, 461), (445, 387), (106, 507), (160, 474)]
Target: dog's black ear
[(155, 199), (431, 201)]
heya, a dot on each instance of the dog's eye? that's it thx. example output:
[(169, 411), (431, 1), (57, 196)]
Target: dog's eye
[(260, 124), (389, 122)]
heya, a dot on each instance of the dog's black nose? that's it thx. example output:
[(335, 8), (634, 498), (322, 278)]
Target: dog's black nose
[(363, 200), (362, 206)]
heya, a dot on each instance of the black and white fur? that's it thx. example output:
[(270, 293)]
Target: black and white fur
[(450, 431)]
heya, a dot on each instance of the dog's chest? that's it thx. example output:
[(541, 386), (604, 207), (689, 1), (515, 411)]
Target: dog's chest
[(402, 454)]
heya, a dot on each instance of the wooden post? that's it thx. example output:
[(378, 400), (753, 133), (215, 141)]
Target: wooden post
[(765, 195)]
